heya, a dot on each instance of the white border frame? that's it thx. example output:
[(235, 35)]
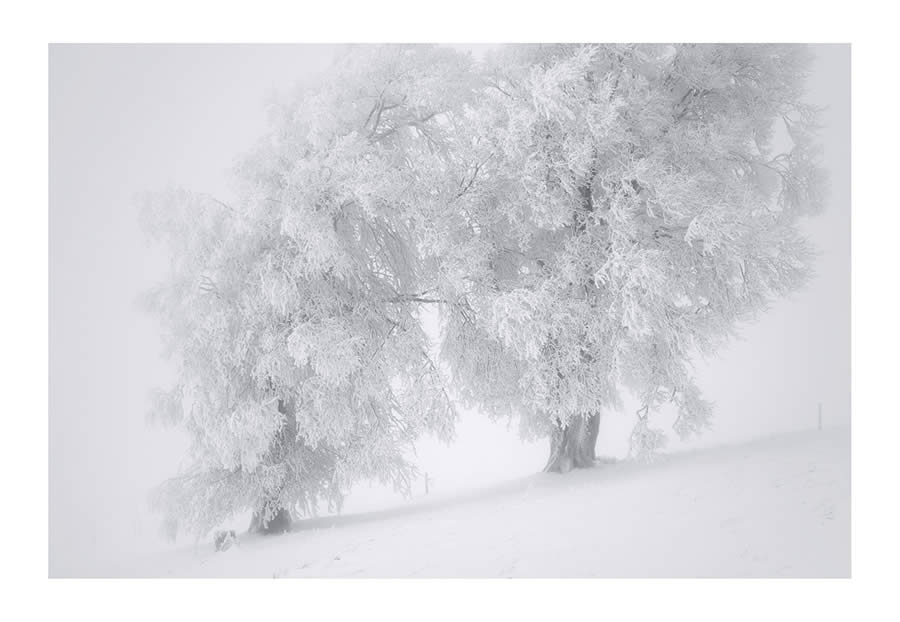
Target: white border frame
[(28, 30)]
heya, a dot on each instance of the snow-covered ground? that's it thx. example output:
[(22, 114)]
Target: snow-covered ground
[(772, 508)]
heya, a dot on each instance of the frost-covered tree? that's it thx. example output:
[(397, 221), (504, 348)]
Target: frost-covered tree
[(292, 313), (626, 206), (587, 218)]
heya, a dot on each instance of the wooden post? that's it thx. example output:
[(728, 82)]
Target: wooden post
[(426, 483), (820, 416)]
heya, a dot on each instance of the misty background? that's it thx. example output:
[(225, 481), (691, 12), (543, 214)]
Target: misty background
[(131, 118)]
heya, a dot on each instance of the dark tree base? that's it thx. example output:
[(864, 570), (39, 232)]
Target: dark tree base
[(280, 523), (574, 446)]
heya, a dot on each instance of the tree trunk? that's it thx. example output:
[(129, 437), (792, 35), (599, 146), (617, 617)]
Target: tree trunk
[(279, 523), (574, 446), (281, 517)]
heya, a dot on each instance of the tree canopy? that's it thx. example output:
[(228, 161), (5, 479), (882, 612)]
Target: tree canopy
[(634, 203), (293, 314)]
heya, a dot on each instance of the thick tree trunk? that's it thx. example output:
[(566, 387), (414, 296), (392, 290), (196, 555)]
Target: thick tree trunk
[(281, 518), (574, 446), (280, 522)]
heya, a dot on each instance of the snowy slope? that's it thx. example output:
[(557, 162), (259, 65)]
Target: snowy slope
[(775, 507)]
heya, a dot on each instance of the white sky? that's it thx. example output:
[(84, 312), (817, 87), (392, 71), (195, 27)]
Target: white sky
[(125, 119)]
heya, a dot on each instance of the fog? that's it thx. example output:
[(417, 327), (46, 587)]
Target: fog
[(128, 118)]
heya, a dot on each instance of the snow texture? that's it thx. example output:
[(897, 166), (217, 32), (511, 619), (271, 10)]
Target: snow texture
[(778, 507)]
